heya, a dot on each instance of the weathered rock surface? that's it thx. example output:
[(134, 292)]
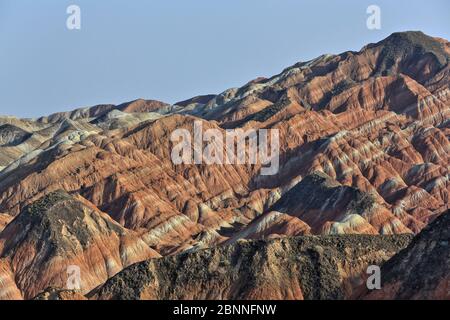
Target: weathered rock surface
[(310, 267), (364, 143), (4, 220), (58, 231), (422, 270), (58, 294)]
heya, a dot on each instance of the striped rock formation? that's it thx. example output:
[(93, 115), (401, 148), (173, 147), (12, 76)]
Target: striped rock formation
[(38, 248), (364, 149)]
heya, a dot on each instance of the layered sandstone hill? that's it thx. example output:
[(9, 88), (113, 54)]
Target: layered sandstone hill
[(326, 267), (320, 205), (422, 270), (58, 231), (364, 149)]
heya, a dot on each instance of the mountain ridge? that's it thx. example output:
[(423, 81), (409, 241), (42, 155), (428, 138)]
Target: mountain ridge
[(364, 152)]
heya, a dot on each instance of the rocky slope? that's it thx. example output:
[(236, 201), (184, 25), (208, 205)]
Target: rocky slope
[(325, 267), (58, 231), (364, 143), (4, 220), (59, 294), (422, 270)]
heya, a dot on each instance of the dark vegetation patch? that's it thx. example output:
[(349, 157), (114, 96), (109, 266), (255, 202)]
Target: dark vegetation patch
[(246, 265), (407, 47)]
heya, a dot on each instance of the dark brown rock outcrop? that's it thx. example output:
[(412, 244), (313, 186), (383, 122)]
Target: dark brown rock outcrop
[(311, 267)]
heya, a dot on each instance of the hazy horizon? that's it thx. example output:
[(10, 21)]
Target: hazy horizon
[(174, 50)]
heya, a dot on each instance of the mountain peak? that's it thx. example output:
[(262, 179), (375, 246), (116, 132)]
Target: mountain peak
[(11, 135), (401, 49), (363, 140), (60, 230), (52, 218)]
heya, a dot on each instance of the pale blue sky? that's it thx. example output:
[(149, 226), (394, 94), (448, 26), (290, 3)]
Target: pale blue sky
[(175, 49)]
